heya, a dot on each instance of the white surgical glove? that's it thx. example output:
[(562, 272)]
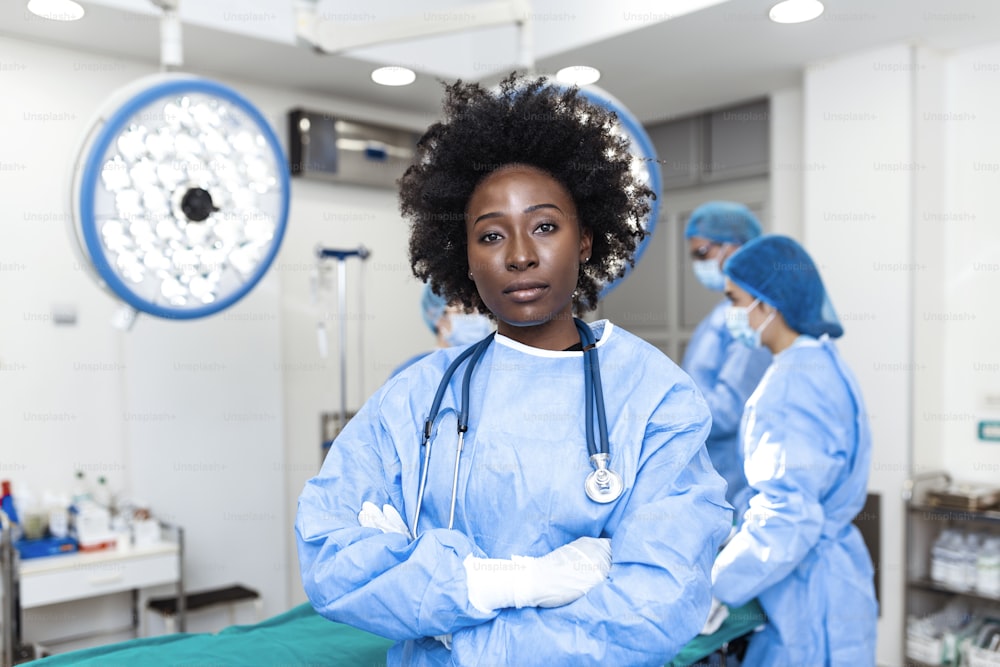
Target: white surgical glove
[(444, 639), (732, 533), (555, 579), (386, 519), (716, 615)]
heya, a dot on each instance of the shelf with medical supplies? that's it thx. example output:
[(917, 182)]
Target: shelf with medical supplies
[(36, 582), (937, 587), (952, 577)]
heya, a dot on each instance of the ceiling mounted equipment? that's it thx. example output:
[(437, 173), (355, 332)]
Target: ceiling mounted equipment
[(180, 196), (180, 192)]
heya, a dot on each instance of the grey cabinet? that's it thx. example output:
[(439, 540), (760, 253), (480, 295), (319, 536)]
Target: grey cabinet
[(716, 146)]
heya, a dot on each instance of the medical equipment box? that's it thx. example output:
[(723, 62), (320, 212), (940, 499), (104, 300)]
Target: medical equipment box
[(965, 497), (45, 546), (343, 150), (981, 657), (924, 649)]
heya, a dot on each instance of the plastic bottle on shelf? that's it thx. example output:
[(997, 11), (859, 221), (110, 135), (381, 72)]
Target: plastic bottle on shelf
[(970, 556), (988, 567), (57, 506), (939, 557), (946, 558), (954, 569), (81, 490), (10, 509), (102, 493), (7, 502), (34, 521)]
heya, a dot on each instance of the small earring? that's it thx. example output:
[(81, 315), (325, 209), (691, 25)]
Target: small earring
[(470, 276)]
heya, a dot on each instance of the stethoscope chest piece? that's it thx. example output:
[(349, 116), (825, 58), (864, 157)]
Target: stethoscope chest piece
[(603, 485)]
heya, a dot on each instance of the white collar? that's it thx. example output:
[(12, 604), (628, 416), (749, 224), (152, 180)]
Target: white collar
[(603, 327)]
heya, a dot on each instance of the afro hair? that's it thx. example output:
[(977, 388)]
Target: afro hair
[(529, 122)]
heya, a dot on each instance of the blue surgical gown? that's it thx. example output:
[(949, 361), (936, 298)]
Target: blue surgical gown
[(409, 362), (521, 492), (808, 450), (726, 371)]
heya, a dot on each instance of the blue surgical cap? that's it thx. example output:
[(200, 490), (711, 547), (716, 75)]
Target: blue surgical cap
[(779, 272), (432, 307), (723, 222)]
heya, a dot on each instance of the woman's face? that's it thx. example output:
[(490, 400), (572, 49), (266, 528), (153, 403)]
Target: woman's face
[(740, 298), (525, 246)]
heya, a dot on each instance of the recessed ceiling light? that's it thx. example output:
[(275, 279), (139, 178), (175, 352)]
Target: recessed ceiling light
[(578, 75), (394, 76), (57, 10), (795, 11)]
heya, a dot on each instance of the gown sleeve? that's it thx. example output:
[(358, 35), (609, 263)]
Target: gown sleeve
[(382, 583), (792, 460), (739, 374), (658, 592)]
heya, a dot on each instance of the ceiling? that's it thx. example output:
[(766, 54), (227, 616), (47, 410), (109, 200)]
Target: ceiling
[(678, 58)]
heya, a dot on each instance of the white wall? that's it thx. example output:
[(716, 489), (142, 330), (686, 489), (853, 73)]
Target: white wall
[(858, 125), (214, 422), (930, 136), (971, 251), (788, 167)]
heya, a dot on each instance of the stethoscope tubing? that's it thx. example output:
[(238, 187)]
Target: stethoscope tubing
[(463, 420), (593, 400), (593, 389), (435, 407)]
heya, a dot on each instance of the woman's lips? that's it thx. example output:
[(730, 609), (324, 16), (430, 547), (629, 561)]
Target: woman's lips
[(524, 292), (524, 295)]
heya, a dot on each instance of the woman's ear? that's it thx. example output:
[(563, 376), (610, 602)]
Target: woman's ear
[(586, 244)]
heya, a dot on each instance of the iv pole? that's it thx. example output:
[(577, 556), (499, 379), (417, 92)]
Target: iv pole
[(341, 256)]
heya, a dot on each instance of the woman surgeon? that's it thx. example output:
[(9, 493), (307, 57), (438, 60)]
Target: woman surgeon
[(807, 453), (568, 513)]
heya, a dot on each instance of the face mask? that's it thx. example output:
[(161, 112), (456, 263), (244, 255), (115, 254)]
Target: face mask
[(467, 328), (709, 274), (738, 323)]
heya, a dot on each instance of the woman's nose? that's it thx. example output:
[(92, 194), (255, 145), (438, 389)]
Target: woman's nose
[(521, 253)]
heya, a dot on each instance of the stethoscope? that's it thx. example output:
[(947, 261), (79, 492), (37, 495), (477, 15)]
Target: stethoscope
[(602, 485)]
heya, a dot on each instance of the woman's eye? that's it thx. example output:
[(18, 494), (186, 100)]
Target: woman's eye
[(490, 237), (546, 227)]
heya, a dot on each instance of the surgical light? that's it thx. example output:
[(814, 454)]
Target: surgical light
[(56, 10), (795, 11), (645, 168), (180, 196), (394, 76), (578, 75)]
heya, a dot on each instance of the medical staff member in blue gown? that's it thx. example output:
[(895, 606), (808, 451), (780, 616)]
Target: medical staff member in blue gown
[(807, 449), (448, 324), (724, 369), (522, 204)]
